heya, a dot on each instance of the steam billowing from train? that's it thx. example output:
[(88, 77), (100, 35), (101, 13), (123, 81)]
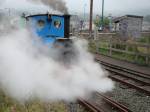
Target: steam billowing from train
[(58, 5), (28, 71), (52, 6)]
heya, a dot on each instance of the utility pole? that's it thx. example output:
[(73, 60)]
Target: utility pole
[(102, 14), (84, 12), (91, 18)]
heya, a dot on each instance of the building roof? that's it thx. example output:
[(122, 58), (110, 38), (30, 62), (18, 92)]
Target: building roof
[(118, 19), (47, 15)]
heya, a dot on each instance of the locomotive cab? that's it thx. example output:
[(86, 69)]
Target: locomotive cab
[(53, 30), (50, 27)]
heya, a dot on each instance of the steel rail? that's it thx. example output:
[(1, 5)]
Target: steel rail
[(89, 106), (131, 85), (140, 74), (119, 73), (121, 107), (111, 102)]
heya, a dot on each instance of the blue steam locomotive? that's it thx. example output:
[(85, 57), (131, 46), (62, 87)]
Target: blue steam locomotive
[(53, 30), (49, 27)]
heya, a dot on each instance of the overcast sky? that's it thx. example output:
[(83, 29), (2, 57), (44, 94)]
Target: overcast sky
[(112, 6)]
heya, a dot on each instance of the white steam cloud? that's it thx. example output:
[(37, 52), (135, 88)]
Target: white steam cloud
[(27, 6), (27, 72), (59, 5)]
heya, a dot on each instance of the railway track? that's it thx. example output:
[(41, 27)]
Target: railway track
[(139, 74), (131, 78), (128, 77), (89, 106), (95, 107)]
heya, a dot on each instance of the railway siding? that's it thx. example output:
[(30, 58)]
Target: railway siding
[(135, 94)]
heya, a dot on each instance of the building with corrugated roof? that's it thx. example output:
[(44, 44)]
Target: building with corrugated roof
[(129, 26)]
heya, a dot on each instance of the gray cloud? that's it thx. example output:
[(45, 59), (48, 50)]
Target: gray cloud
[(59, 5), (111, 6)]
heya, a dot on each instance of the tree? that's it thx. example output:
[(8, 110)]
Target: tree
[(98, 21)]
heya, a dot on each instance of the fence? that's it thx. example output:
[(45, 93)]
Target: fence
[(136, 51)]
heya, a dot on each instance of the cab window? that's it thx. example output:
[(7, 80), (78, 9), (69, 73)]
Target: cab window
[(40, 23), (57, 24)]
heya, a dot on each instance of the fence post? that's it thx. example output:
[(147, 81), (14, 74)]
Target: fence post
[(147, 57), (126, 49), (136, 54), (146, 61), (97, 46), (110, 47), (95, 33)]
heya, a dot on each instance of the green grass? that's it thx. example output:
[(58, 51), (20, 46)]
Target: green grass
[(103, 49), (122, 56), (92, 46), (8, 104), (144, 40)]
